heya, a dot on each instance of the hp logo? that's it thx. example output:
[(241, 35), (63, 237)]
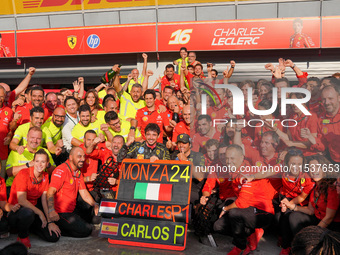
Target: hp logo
[(93, 41)]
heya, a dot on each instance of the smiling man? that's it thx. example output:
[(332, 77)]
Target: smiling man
[(150, 149), (66, 182), (328, 124)]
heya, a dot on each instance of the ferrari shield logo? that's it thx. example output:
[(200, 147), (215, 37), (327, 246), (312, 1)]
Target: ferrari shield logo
[(72, 41)]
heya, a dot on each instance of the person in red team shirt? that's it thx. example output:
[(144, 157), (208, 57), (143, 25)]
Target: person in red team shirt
[(304, 133), (298, 39), (184, 125), (205, 132), (97, 148), (6, 116), (170, 78), (328, 124), (51, 103), (221, 182), (66, 182), (268, 122), (323, 206), (29, 185), (90, 166), (37, 99), (12, 94), (313, 85), (253, 208), (266, 156), (152, 114), (296, 186), (219, 110)]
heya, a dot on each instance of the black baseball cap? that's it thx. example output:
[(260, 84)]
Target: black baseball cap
[(183, 138)]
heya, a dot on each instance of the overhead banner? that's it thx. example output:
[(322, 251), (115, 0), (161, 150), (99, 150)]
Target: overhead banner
[(87, 40), (240, 34), (289, 33), (38, 6), (7, 44), (330, 35)]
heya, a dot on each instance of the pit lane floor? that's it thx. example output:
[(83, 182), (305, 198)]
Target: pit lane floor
[(96, 245)]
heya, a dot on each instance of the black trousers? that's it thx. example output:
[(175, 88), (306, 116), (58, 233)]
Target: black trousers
[(196, 191), (244, 221), (222, 225), (3, 225), (296, 221), (71, 224), (25, 220)]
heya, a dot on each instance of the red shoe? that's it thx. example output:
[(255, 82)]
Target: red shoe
[(254, 239), (25, 241), (285, 251), (236, 251)]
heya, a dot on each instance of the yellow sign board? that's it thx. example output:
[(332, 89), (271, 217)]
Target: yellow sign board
[(37, 6)]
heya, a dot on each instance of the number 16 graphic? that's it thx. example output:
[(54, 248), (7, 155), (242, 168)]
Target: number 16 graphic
[(180, 36)]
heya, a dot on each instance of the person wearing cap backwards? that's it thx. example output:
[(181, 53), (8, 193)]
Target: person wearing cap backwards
[(184, 152), (149, 149)]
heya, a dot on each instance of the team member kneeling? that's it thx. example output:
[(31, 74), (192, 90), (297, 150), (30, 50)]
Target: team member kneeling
[(66, 181), (252, 209), (29, 185)]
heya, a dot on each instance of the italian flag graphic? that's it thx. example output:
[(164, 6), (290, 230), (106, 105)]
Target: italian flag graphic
[(153, 191)]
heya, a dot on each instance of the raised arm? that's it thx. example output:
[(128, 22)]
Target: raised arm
[(231, 69), (145, 83), (145, 63), (23, 85)]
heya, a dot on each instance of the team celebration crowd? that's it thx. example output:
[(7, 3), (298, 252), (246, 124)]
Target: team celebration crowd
[(53, 146)]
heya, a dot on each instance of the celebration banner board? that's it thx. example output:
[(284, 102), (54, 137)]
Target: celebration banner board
[(86, 40), (198, 36), (152, 207), (240, 34)]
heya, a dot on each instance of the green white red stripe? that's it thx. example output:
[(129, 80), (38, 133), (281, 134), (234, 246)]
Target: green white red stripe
[(153, 191)]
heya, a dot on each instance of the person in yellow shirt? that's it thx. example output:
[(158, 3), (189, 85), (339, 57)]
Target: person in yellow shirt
[(121, 127), (135, 74), (109, 104), (52, 128), (129, 103), (19, 139), (183, 52), (133, 78), (84, 124), (16, 162)]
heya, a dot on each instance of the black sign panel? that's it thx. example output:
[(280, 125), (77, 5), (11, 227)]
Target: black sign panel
[(145, 233), (118, 208)]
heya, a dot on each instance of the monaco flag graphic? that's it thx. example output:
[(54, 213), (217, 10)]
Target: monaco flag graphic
[(107, 207)]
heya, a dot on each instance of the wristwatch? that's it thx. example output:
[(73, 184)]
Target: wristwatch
[(133, 128)]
